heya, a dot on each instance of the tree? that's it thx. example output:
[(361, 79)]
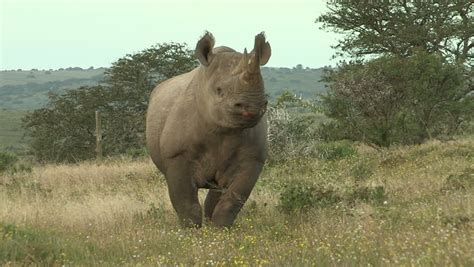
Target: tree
[(393, 100), (399, 27), (135, 75), (419, 81), (64, 129)]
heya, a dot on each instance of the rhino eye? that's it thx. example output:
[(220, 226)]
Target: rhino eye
[(219, 91)]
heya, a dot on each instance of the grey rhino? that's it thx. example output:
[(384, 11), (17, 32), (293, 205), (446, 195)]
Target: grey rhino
[(206, 129)]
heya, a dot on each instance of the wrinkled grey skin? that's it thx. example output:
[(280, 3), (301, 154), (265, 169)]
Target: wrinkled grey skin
[(206, 129)]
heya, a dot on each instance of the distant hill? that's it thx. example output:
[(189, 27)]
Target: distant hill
[(21, 91), (303, 82), (23, 77), (28, 90)]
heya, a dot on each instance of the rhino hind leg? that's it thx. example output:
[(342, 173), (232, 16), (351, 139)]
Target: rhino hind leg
[(183, 194)]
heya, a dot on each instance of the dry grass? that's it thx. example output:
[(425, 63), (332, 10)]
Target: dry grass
[(119, 213)]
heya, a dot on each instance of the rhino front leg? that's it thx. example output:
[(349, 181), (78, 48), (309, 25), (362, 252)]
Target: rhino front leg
[(237, 193), (210, 203), (183, 193)]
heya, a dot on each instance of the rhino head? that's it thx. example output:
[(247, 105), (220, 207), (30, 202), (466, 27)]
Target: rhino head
[(231, 90)]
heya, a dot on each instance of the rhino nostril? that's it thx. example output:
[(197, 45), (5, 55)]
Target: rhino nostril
[(238, 105)]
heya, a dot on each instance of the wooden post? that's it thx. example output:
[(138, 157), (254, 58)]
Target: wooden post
[(98, 136)]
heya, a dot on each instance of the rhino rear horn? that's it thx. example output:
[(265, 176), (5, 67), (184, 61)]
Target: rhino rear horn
[(204, 47)]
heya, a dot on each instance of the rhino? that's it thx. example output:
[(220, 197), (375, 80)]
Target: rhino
[(206, 129)]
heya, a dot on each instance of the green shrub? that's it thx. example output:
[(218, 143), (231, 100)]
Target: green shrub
[(22, 184), (363, 169), (375, 195), (290, 134), (301, 197), (136, 153), (461, 151), (153, 214), (7, 161), (335, 150), (292, 127), (463, 180), (33, 247), (456, 221), (392, 160), (22, 167), (10, 163)]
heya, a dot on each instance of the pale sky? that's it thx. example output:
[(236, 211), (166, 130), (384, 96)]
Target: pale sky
[(55, 34)]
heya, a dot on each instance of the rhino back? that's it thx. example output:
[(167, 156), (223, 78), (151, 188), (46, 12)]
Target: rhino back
[(163, 101)]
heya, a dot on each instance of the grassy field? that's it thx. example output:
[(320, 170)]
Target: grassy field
[(409, 206)]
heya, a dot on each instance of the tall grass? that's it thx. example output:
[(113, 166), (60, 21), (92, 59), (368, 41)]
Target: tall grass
[(119, 213)]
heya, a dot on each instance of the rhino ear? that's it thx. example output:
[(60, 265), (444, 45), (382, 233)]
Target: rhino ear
[(262, 49), (204, 47)]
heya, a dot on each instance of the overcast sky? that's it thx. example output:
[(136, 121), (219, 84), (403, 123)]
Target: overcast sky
[(48, 34)]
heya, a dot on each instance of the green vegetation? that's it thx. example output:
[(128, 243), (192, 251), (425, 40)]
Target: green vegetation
[(410, 77), (293, 127), (64, 130), (7, 161), (413, 209), (10, 163), (396, 100), (12, 135)]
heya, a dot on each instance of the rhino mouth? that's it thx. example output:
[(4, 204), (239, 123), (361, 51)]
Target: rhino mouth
[(242, 121)]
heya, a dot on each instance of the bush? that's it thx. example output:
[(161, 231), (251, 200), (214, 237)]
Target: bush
[(456, 221), (292, 130), (21, 167), (137, 153), (301, 197), (462, 181), (374, 195), (32, 246), (335, 150), (288, 134), (7, 161), (396, 100), (363, 169)]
